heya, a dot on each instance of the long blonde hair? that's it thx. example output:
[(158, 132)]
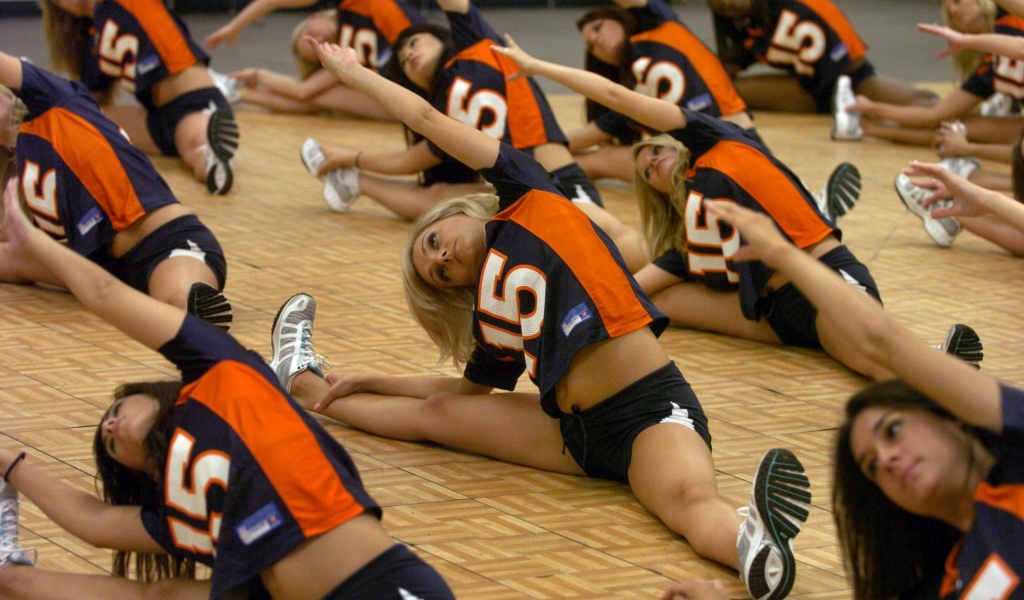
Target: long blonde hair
[(67, 37), (305, 67), (17, 113), (446, 314), (661, 217), (966, 61)]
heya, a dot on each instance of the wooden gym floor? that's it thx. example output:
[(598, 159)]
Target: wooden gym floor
[(496, 530)]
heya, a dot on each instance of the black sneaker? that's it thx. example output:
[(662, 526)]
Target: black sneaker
[(205, 302)]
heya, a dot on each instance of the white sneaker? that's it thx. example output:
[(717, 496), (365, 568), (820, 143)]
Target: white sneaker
[(961, 165), (942, 231), (997, 105), (291, 341), (312, 156), (845, 123), (779, 504), (228, 86), (341, 186), (10, 551)]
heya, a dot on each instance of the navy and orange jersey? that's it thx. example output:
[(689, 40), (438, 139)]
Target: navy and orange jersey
[(139, 43), (474, 89), (551, 283), (726, 164), (82, 178), (812, 39), (669, 62), (988, 562), (999, 73), (369, 26), (250, 475)]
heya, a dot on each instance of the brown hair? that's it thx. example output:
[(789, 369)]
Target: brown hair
[(122, 486)]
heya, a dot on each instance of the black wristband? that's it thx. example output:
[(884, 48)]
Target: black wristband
[(13, 464)]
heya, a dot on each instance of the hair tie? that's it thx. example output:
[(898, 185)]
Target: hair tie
[(13, 464)]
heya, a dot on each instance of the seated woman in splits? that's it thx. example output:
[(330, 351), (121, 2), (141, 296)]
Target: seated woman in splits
[(822, 59), (693, 278), (537, 287), (85, 183), (984, 76), (146, 49), (928, 467), (643, 45), (192, 473), (369, 26)]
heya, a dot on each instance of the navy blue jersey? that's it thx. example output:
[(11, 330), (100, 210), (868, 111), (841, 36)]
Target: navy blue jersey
[(474, 90), (369, 26), (551, 283), (726, 164), (988, 562), (999, 73), (82, 178), (812, 39), (669, 62), (250, 475), (139, 43)]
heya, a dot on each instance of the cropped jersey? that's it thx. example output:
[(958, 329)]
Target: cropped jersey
[(82, 179), (988, 562), (669, 62), (474, 89), (250, 475), (812, 39), (139, 43), (551, 283), (369, 26), (999, 73), (728, 165)]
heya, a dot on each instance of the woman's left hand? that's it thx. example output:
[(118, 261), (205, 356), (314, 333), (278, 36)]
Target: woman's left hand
[(696, 590)]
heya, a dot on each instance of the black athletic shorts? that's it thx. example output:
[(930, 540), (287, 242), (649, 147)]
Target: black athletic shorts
[(184, 236), (386, 577), (601, 437), (792, 316)]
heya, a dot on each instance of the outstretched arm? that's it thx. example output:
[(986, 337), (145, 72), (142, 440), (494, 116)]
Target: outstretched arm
[(254, 10), (475, 149), (145, 319), (652, 112), (999, 44), (967, 393), (77, 512), (10, 71)]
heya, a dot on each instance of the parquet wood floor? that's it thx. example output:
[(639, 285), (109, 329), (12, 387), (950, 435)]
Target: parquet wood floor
[(499, 531)]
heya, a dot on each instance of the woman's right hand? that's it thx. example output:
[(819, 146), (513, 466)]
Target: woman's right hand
[(527, 64), (759, 233)]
